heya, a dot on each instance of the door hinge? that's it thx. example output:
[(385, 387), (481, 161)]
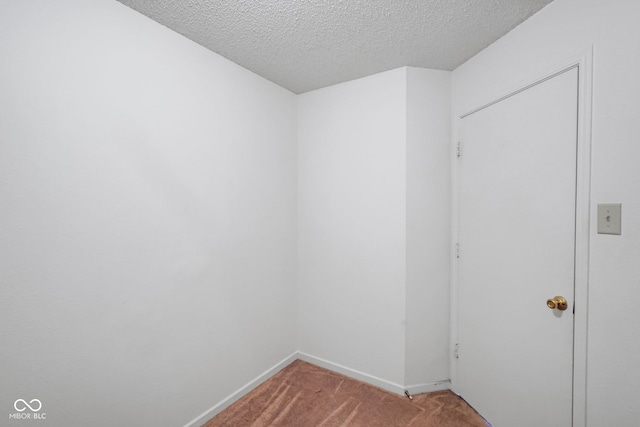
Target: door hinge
[(458, 150), (457, 250), (455, 351)]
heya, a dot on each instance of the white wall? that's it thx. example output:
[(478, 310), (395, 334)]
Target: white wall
[(351, 224), (428, 226), (557, 33), (373, 264), (148, 191)]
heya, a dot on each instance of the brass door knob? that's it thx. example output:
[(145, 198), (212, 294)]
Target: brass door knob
[(557, 302)]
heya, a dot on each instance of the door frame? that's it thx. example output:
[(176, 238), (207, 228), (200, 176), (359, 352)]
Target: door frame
[(584, 63)]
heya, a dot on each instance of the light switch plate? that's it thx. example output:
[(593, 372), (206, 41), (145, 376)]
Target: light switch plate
[(610, 218)]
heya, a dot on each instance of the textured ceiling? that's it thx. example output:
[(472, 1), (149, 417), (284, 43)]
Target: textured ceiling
[(308, 44)]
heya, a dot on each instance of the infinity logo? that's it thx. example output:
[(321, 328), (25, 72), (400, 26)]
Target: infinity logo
[(26, 405)]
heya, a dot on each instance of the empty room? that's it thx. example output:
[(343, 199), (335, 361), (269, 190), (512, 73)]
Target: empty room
[(277, 213)]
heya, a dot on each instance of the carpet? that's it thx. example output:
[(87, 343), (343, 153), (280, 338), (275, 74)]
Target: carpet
[(306, 395)]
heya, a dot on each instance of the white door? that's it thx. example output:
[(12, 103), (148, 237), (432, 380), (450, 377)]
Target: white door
[(517, 196)]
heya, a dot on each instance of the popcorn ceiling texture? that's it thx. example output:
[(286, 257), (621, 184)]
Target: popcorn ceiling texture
[(304, 45)]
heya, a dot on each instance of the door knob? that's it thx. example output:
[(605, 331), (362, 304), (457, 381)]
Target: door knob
[(557, 302)]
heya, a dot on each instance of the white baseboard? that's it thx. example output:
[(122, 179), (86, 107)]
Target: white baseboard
[(429, 387), (232, 398), (370, 379)]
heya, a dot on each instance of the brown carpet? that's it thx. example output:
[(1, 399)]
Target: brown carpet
[(305, 395)]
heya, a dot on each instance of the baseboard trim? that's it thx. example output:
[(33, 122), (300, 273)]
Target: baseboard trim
[(232, 398), (369, 379), (358, 375), (429, 387)]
